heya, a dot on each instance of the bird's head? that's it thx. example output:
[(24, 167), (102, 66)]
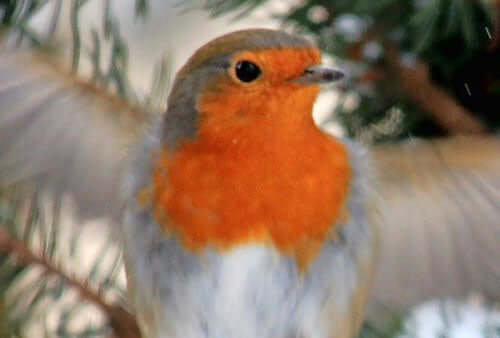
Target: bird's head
[(241, 152), (246, 74)]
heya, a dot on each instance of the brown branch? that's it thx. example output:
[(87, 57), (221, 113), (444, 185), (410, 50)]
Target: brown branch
[(415, 81), (440, 105), (121, 321), (495, 38)]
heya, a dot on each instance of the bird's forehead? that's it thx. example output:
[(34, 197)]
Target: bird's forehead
[(245, 40)]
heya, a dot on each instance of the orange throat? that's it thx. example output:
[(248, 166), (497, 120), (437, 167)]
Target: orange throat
[(257, 178)]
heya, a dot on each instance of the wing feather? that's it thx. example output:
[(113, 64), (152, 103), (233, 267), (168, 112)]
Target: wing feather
[(440, 220), (61, 132)]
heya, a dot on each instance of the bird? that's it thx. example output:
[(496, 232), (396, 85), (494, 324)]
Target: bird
[(241, 218), (239, 206)]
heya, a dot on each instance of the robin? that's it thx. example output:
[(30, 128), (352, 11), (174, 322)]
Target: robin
[(243, 218), (239, 217)]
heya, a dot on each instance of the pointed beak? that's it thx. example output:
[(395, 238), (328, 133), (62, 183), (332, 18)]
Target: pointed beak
[(320, 74)]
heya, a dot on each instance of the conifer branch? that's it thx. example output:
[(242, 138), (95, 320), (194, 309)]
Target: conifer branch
[(435, 101), (121, 321)]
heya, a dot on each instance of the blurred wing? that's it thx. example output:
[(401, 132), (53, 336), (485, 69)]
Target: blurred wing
[(440, 220), (62, 133)]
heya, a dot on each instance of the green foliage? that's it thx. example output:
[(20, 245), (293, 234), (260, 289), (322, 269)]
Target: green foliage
[(141, 8), (15, 15), (218, 7), (41, 259), (39, 263), (392, 328)]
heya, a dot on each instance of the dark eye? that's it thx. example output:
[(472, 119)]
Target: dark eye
[(247, 71)]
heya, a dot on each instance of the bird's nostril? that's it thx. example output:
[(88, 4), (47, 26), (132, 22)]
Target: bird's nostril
[(328, 76), (333, 75)]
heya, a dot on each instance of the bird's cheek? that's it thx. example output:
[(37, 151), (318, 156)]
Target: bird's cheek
[(226, 100), (292, 97)]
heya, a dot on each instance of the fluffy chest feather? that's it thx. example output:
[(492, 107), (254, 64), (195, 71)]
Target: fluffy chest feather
[(249, 291), (251, 185)]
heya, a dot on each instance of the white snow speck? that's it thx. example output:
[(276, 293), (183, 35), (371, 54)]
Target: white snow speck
[(468, 89), (488, 32)]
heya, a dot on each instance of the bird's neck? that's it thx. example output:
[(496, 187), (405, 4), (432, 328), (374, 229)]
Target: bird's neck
[(260, 179)]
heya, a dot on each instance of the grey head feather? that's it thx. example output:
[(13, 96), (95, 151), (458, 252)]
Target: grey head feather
[(209, 63)]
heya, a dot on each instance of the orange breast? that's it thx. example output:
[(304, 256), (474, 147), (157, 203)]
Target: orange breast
[(289, 199), (263, 180)]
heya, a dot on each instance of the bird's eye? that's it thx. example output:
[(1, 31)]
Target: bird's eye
[(247, 71)]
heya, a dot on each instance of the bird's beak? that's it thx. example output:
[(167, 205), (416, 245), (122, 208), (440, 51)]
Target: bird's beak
[(320, 74)]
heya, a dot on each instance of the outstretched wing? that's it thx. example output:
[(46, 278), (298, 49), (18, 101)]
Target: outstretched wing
[(61, 132), (440, 220)]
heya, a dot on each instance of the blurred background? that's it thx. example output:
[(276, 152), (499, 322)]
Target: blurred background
[(416, 69)]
